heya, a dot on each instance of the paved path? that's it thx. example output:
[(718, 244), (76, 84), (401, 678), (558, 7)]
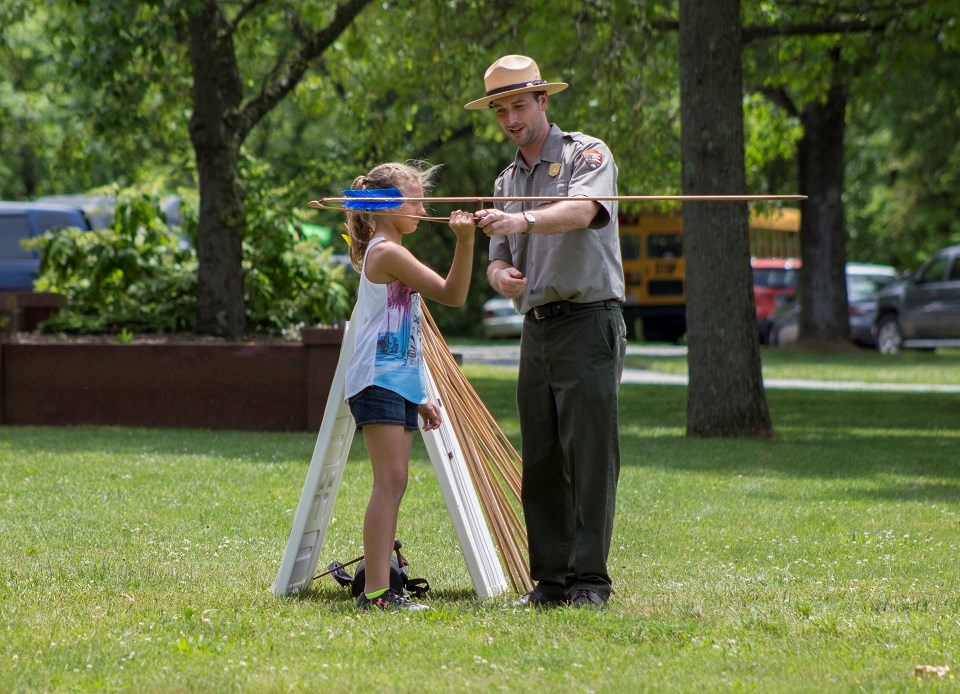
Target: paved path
[(509, 356)]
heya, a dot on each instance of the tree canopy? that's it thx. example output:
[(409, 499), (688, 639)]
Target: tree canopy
[(102, 93)]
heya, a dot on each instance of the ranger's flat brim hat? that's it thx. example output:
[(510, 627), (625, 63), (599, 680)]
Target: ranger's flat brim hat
[(513, 74)]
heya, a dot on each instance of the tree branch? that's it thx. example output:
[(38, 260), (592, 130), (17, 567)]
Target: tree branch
[(755, 32), (309, 51), (429, 148), (858, 7), (855, 26), (247, 8), (665, 25), (780, 97)]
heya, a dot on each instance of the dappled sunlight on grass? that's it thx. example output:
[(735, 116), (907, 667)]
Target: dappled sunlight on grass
[(863, 433), (630, 430), (939, 367)]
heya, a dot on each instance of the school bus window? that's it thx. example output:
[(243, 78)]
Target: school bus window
[(630, 247), (776, 278), (665, 246)]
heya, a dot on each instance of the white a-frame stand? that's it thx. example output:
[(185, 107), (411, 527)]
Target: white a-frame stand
[(326, 472)]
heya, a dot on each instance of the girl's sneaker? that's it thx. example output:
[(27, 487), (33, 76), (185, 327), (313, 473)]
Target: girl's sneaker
[(389, 601)]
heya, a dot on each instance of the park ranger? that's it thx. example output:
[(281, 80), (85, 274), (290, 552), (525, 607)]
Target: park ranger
[(560, 264)]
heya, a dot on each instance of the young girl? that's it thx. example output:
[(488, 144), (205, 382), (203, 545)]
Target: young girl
[(385, 381)]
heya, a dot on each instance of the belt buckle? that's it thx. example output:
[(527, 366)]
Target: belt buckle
[(549, 310)]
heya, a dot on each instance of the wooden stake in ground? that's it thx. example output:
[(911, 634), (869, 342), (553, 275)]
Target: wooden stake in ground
[(492, 461)]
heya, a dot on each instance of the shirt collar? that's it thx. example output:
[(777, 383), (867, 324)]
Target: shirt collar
[(552, 149)]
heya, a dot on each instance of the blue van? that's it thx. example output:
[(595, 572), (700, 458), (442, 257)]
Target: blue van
[(24, 220)]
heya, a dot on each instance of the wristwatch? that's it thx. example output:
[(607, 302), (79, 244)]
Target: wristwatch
[(531, 220)]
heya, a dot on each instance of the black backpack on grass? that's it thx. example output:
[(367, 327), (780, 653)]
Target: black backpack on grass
[(400, 581)]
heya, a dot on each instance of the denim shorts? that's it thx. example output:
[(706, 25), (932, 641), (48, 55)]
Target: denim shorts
[(376, 405)]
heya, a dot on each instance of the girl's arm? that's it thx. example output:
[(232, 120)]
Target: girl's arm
[(393, 261)]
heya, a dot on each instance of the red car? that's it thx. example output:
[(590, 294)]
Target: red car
[(771, 278)]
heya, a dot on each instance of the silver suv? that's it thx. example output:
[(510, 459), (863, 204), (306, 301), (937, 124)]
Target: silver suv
[(922, 311)]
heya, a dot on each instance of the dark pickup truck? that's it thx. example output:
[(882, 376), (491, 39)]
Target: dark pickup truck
[(922, 311), (26, 220)]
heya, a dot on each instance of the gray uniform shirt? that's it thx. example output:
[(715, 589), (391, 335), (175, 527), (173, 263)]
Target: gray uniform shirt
[(583, 265)]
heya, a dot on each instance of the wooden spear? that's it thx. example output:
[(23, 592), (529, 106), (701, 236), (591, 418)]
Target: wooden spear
[(484, 199), (492, 462), (378, 206)]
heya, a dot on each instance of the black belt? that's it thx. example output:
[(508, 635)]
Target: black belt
[(560, 308)]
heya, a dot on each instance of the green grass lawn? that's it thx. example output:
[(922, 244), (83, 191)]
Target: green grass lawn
[(941, 366), (826, 560)]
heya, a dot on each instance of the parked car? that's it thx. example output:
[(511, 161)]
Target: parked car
[(864, 280), (100, 209), (501, 319), (864, 283), (19, 266), (772, 278), (922, 311)]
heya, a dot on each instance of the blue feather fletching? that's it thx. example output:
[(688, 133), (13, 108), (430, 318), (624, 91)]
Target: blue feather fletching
[(359, 201)]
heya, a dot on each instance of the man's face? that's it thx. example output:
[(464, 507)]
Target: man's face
[(522, 117)]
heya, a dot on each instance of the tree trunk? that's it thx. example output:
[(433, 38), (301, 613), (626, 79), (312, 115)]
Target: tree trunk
[(217, 93), (725, 396), (28, 171), (824, 318), (218, 127)]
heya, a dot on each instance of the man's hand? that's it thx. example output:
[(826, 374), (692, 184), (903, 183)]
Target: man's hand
[(510, 282), (499, 223), (430, 415)]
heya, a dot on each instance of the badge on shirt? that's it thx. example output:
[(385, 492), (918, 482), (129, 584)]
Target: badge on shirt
[(554, 169), (593, 158)]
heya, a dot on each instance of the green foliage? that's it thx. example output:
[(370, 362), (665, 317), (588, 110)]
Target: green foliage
[(141, 276), (370, 102), (131, 79), (770, 140), (905, 167), (899, 63), (136, 275), (289, 278), (40, 137), (58, 132), (99, 93)]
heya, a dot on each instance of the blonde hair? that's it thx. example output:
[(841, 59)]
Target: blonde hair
[(361, 225)]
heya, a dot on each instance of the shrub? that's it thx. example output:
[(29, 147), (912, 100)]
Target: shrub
[(140, 275), (290, 279), (137, 275)]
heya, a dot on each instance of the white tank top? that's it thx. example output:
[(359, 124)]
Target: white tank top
[(386, 323)]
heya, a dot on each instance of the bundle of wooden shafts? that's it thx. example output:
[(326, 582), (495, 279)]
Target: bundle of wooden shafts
[(491, 460)]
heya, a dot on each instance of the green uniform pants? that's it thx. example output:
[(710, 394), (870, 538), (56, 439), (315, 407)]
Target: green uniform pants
[(567, 387)]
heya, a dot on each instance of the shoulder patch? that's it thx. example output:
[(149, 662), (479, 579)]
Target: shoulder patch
[(593, 158)]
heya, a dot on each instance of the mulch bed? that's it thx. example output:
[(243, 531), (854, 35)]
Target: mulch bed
[(35, 338)]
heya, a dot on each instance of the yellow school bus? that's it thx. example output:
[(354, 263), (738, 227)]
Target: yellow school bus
[(654, 265)]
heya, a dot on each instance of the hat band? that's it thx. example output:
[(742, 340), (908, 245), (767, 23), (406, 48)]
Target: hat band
[(518, 85)]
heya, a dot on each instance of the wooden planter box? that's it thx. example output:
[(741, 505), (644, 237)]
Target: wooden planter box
[(24, 311), (262, 386)]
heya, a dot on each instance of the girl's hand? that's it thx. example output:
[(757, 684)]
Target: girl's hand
[(462, 224), (430, 414)]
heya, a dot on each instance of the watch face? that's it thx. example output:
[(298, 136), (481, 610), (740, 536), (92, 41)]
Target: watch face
[(529, 217)]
